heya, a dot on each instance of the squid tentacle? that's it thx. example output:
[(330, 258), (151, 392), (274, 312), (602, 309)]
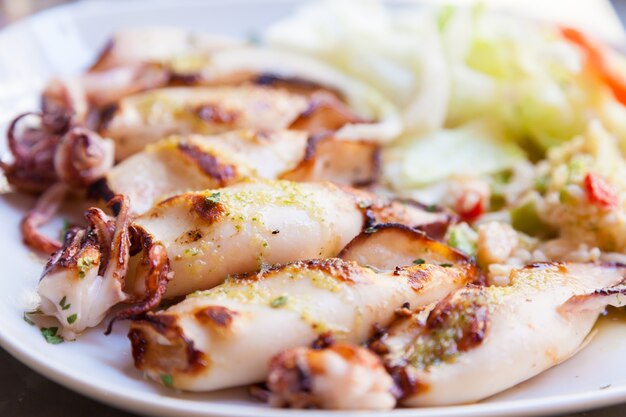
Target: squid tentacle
[(45, 208), (156, 284)]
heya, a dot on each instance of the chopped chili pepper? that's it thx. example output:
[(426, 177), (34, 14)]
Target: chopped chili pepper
[(470, 206), (600, 192), (598, 61)]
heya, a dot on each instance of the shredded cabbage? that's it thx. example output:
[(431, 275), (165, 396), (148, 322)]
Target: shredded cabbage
[(476, 92), (474, 149), (397, 53)]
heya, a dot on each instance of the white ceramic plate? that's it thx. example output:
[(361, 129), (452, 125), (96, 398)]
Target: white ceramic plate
[(63, 41)]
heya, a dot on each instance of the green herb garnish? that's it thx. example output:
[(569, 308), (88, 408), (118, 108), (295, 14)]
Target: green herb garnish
[(50, 334), (192, 252), (167, 380), (63, 304), (279, 301), (419, 261), (446, 265), (214, 198), (71, 319), (84, 264)]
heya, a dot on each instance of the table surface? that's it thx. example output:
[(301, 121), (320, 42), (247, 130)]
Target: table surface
[(24, 393)]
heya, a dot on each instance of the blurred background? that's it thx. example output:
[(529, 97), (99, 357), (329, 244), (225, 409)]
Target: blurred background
[(11, 10)]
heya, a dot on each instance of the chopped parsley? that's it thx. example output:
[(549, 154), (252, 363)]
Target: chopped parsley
[(419, 261), (214, 198), (279, 301), (370, 230), (63, 303), (192, 252), (446, 265), (50, 334), (71, 319), (84, 264), (167, 380)]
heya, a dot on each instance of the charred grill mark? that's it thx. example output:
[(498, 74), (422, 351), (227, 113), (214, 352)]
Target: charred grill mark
[(218, 315), (213, 113), (560, 267), (209, 164), (417, 275), (323, 341), (336, 268), (467, 315), (344, 271), (189, 236), (208, 210), (325, 112), (296, 84), (456, 324), (147, 352), (405, 382)]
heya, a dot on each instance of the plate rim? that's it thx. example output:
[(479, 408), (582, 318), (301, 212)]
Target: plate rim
[(163, 405)]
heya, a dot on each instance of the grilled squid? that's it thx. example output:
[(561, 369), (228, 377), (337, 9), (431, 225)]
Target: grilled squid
[(342, 376), (83, 280), (482, 340), (203, 343), (347, 376), (389, 245), (132, 61), (163, 45), (194, 162), (141, 119), (202, 237), (235, 87)]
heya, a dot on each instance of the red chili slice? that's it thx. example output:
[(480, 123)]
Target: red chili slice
[(598, 61), (600, 192), (470, 210)]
